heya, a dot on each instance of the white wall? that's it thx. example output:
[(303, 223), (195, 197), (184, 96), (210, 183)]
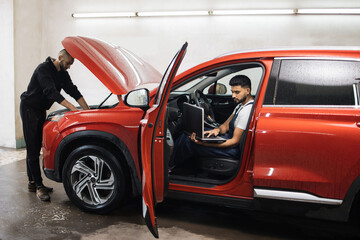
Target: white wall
[(28, 47), (7, 105), (157, 39)]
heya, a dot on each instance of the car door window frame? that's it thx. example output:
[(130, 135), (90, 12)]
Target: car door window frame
[(203, 73)]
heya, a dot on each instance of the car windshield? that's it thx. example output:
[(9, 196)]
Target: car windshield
[(186, 87)]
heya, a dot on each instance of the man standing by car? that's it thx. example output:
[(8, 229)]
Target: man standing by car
[(232, 129), (43, 90)]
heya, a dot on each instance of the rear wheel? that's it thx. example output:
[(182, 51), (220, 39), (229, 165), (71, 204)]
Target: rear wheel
[(93, 179)]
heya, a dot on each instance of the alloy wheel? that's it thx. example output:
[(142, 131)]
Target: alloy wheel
[(92, 180)]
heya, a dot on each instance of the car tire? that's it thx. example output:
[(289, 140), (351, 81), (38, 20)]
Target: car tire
[(94, 179)]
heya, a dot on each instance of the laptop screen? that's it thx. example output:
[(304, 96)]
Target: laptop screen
[(193, 119)]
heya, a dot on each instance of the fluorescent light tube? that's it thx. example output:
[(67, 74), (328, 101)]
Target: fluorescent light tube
[(329, 11), (172, 13), (254, 12), (104, 15), (309, 11)]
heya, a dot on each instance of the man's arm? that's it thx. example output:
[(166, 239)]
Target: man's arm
[(222, 129), (238, 131), (73, 91), (235, 140), (68, 105), (83, 103)]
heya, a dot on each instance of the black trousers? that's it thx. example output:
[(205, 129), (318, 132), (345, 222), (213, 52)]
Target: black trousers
[(33, 121)]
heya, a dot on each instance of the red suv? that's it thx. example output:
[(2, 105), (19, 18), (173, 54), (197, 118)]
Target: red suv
[(299, 153)]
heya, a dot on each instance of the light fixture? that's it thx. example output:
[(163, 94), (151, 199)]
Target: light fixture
[(329, 11), (172, 13), (254, 12), (239, 12), (104, 15)]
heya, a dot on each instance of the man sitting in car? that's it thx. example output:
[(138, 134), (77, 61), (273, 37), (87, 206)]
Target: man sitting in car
[(232, 129)]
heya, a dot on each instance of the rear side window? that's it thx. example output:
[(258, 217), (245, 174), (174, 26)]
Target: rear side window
[(314, 82)]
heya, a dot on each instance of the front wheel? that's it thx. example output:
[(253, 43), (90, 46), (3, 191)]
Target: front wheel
[(93, 179)]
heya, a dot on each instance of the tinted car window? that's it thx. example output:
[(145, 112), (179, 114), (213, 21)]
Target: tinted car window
[(316, 82)]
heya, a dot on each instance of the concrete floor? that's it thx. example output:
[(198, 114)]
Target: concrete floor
[(23, 216)]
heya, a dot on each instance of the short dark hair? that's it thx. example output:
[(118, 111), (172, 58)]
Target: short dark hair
[(64, 53), (240, 80)]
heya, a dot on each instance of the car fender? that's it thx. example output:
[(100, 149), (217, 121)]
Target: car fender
[(102, 136)]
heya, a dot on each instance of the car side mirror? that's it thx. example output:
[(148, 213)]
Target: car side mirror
[(137, 98), (220, 89)]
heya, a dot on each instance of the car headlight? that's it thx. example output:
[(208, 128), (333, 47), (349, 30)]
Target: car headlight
[(55, 118)]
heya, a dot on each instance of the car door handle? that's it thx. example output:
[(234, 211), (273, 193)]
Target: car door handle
[(358, 124)]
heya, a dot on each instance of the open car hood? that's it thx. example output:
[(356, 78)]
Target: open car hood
[(117, 68)]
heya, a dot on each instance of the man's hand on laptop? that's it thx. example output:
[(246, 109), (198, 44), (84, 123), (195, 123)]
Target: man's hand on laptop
[(212, 132)]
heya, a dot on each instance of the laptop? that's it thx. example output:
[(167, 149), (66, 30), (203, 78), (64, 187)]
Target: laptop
[(193, 121)]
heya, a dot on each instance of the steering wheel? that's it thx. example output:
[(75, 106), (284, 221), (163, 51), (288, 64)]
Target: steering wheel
[(202, 101)]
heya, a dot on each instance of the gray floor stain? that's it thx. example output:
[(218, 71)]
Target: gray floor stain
[(128, 231)]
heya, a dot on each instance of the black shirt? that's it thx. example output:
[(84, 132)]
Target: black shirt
[(45, 86)]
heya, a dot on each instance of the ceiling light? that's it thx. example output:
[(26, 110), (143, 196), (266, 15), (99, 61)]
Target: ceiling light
[(309, 11), (172, 13), (104, 15), (254, 12), (329, 11)]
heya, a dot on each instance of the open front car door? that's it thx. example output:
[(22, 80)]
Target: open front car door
[(153, 133)]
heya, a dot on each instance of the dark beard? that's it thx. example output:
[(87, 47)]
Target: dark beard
[(62, 69), (242, 100)]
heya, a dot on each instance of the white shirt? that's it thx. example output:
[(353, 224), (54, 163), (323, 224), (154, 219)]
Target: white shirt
[(243, 117)]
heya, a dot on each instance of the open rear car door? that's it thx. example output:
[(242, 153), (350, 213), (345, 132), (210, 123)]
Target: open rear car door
[(153, 134)]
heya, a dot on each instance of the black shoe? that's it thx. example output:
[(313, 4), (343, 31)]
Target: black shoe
[(42, 193), (32, 187)]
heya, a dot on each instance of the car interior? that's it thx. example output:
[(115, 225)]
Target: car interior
[(211, 91)]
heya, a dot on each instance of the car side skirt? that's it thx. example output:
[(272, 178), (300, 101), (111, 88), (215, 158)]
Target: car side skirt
[(212, 199), (294, 196), (290, 205)]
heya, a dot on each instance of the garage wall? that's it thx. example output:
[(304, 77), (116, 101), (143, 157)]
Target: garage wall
[(7, 105), (28, 51), (157, 39)]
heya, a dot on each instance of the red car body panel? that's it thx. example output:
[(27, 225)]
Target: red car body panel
[(117, 68), (310, 153), (120, 121)]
